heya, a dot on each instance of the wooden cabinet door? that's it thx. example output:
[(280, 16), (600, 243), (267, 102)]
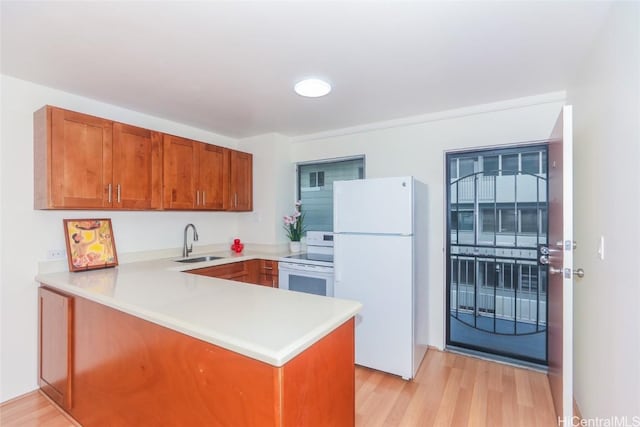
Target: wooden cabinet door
[(180, 172), (252, 267), (56, 346), (212, 189), (137, 168), (241, 183), (80, 159)]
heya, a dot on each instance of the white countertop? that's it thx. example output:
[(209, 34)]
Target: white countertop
[(267, 324)]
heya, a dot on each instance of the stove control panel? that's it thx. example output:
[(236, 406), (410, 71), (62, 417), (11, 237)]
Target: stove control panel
[(319, 238)]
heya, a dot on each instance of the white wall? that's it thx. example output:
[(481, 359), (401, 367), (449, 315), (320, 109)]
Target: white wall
[(273, 189), (419, 149), (27, 234), (606, 99)]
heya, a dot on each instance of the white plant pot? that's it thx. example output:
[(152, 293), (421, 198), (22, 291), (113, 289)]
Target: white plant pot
[(295, 247)]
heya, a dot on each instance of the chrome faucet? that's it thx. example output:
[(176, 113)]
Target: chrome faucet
[(186, 250)]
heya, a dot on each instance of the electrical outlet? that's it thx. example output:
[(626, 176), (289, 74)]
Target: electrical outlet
[(56, 253)]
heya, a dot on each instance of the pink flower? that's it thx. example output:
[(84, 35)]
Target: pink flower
[(293, 223)]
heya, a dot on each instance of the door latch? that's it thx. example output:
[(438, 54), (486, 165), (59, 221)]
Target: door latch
[(568, 245)]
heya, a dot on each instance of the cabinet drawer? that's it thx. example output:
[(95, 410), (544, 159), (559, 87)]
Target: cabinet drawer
[(268, 273)]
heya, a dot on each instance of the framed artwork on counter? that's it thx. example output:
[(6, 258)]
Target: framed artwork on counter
[(90, 244)]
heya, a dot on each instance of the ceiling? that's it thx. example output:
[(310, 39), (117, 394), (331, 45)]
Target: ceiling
[(230, 67)]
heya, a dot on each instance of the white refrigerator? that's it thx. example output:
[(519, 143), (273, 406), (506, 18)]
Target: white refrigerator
[(379, 245)]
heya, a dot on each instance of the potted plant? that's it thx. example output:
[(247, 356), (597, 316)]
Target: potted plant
[(294, 226)]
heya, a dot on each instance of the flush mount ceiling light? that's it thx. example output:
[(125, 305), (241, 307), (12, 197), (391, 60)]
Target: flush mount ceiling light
[(312, 88)]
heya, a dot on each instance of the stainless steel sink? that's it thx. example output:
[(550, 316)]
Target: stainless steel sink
[(199, 259)]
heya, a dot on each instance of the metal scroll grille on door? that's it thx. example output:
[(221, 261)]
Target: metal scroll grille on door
[(497, 219)]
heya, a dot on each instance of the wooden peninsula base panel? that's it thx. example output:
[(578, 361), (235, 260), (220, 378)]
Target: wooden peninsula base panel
[(126, 371)]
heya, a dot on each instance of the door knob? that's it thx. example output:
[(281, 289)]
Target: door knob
[(579, 272)]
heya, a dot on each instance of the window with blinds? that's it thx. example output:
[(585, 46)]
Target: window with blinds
[(315, 188)]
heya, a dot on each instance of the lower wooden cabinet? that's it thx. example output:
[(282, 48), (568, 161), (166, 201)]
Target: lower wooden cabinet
[(55, 368), (238, 271), (268, 273), (257, 271), (131, 372)]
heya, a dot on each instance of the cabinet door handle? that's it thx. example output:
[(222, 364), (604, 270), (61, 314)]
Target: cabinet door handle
[(118, 191), (197, 197), (204, 198), (235, 200), (109, 194)]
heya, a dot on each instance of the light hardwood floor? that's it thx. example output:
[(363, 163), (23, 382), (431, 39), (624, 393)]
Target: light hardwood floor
[(449, 390), (455, 390), (32, 410)]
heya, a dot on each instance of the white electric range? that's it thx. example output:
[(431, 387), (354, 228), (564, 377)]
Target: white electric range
[(312, 271)]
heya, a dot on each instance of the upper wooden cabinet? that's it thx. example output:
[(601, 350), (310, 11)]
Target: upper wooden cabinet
[(196, 175), (85, 162), (72, 160), (241, 185), (137, 168), (213, 176)]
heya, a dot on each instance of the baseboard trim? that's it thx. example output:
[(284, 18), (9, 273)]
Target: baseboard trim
[(22, 396), (576, 411)]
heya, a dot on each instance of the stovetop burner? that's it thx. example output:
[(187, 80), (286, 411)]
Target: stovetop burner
[(328, 258)]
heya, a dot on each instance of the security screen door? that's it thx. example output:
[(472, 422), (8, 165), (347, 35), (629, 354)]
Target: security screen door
[(497, 219)]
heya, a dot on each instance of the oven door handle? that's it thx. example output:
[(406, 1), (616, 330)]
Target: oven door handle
[(289, 266)]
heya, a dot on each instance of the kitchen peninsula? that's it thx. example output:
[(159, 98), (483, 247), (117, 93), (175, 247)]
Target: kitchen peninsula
[(148, 344)]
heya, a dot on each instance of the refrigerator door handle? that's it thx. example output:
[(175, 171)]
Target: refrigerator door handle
[(336, 218)]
